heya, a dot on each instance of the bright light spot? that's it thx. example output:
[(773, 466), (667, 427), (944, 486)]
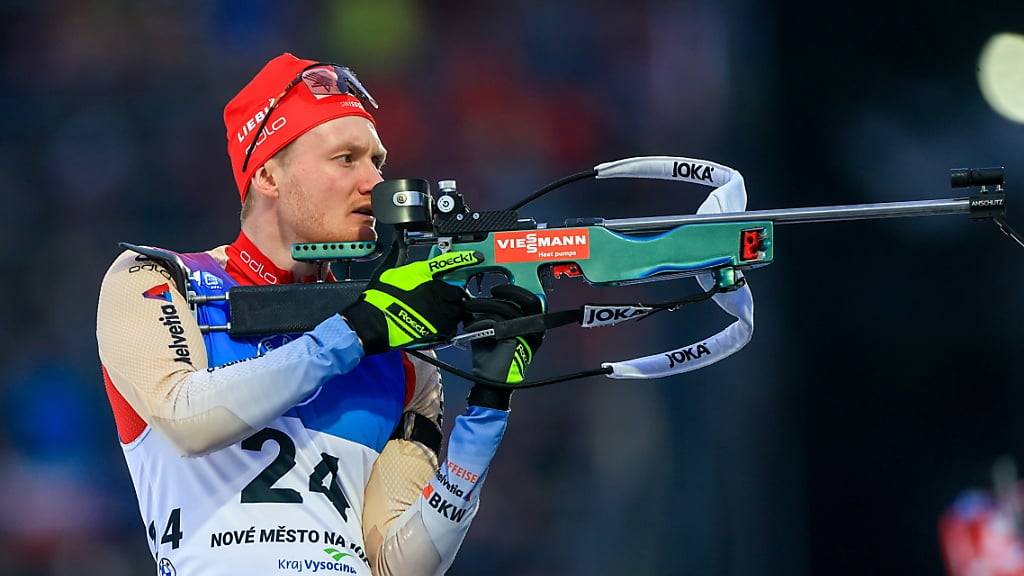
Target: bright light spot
[(1001, 74)]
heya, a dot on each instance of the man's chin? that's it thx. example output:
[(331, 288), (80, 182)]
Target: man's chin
[(364, 233)]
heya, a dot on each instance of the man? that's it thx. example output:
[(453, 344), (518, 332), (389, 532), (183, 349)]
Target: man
[(311, 452)]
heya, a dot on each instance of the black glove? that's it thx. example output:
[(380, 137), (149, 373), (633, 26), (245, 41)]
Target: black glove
[(409, 304), (504, 360)]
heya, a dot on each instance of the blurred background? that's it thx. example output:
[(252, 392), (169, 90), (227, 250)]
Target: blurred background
[(883, 377)]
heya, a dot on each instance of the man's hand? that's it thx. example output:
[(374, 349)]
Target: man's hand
[(409, 304), (505, 360)]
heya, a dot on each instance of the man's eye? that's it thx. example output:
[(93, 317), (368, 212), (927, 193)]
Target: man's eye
[(345, 158)]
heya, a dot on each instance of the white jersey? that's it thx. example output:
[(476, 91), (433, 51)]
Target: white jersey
[(286, 500)]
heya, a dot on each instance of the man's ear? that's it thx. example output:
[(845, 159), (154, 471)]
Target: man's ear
[(265, 180)]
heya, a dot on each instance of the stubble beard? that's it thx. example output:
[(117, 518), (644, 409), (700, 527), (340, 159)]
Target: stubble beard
[(310, 223)]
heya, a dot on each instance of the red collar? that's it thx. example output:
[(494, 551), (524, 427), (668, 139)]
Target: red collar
[(249, 266)]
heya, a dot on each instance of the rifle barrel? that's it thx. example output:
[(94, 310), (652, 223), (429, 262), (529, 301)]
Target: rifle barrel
[(800, 215)]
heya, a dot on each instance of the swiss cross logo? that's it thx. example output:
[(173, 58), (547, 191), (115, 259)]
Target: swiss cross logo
[(538, 245)]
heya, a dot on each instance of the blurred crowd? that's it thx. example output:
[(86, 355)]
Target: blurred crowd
[(867, 361)]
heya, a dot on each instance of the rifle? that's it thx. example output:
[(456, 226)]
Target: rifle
[(717, 245)]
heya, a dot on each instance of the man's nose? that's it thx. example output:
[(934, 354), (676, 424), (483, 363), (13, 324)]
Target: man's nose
[(370, 178)]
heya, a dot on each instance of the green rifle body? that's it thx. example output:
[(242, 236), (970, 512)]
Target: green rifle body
[(606, 257)]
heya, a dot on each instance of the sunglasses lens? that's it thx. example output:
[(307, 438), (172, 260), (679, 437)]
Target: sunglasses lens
[(335, 80)]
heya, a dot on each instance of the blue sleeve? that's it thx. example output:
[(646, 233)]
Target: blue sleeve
[(260, 389), (450, 500)]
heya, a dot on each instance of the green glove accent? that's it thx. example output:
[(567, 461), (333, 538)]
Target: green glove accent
[(521, 357), (410, 304), (410, 276), (404, 323)]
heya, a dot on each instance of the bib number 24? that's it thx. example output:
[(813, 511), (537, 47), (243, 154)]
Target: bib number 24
[(261, 488)]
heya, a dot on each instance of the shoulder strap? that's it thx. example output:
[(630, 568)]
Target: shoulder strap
[(180, 266), (170, 260), (418, 428)]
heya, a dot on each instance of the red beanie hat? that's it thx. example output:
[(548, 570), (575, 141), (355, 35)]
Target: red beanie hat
[(299, 111)]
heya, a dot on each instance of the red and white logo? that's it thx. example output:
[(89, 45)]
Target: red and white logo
[(258, 267), (539, 245)]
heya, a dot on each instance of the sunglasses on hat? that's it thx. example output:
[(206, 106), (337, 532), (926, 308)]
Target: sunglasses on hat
[(321, 79)]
